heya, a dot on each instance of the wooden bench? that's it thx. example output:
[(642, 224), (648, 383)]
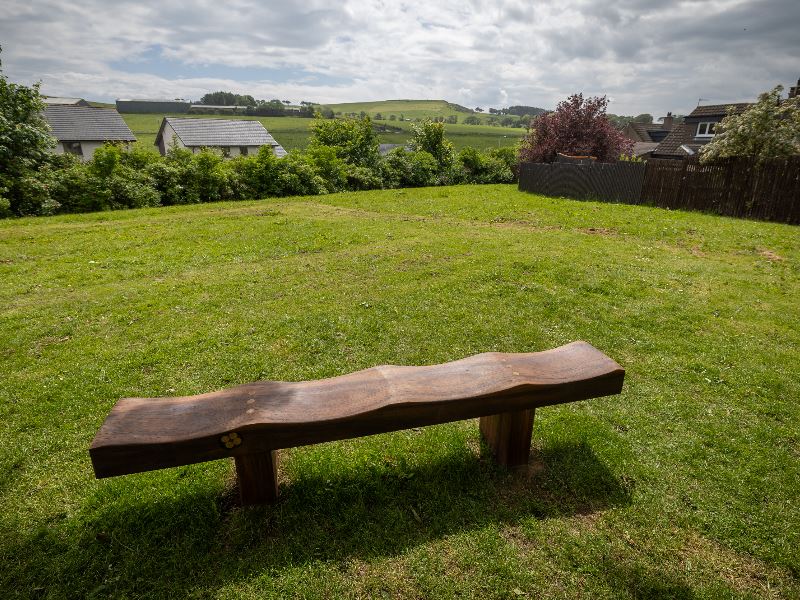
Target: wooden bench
[(251, 422)]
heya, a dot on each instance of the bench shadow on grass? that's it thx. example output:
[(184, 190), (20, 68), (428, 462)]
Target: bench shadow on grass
[(202, 539)]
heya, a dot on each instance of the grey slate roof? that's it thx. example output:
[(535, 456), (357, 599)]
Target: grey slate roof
[(681, 135), (714, 110), (644, 129), (64, 101), (220, 133), (86, 124), (640, 148)]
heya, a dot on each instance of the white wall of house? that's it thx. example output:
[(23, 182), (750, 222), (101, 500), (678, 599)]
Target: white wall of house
[(87, 148), (169, 139)]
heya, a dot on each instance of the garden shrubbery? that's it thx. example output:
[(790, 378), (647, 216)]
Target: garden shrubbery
[(342, 156)]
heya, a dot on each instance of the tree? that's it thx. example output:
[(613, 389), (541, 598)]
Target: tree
[(24, 144), (472, 120), (578, 127), (643, 118), (355, 140), (478, 109), (770, 128), (429, 137), (227, 99)]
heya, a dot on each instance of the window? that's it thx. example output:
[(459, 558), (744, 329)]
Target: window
[(73, 148), (705, 129), (243, 150)]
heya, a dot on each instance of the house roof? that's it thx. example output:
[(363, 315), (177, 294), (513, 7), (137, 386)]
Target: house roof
[(719, 110), (681, 135), (64, 101), (640, 148), (86, 124), (220, 132), (643, 130)]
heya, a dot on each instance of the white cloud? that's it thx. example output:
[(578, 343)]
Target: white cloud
[(648, 56)]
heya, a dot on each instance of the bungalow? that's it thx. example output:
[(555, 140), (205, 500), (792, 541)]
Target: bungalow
[(234, 137), (696, 131), (81, 130)]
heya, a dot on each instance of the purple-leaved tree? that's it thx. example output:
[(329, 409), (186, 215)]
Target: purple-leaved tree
[(578, 127)]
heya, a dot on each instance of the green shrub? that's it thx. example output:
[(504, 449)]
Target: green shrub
[(485, 167), (169, 181), (355, 140), (401, 168), (429, 137), (328, 165), (363, 178), (298, 176)]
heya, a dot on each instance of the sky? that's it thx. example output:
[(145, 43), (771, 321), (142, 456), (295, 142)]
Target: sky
[(646, 56)]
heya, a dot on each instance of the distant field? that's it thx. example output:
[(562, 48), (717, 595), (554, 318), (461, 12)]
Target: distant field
[(293, 132), (411, 109)]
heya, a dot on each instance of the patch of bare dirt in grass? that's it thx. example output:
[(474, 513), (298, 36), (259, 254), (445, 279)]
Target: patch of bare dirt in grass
[(599, 231), (771, 256), (743, 573)]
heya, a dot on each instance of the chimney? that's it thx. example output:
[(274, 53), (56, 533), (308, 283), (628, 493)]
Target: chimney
[(794, 91), (667, 126)]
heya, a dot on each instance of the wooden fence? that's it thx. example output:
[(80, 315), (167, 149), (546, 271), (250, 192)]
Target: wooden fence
[(615, 182), (736, 187)]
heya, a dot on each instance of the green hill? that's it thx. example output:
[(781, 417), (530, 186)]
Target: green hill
[(410, 109)]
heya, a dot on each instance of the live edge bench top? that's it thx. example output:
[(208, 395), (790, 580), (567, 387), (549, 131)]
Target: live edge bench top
[(142, 434)]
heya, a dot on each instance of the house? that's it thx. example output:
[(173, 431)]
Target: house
[(81, 130), (64, 101), (647, 136), (234, 137), (696, 131), (153, 105)]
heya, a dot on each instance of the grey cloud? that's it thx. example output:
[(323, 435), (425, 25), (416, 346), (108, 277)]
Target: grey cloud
[(649, 56)]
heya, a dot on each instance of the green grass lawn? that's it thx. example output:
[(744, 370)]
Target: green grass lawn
[(293, 132), (685, 486)]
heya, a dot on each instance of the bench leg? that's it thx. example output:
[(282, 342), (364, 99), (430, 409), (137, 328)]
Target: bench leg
[(509, 436), (258, 477)]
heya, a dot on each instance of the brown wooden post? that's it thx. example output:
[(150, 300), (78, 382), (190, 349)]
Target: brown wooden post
[(257, 475), (509, 436)]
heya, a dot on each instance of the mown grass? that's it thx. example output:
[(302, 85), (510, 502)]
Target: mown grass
[(685, 486), (293, 132)]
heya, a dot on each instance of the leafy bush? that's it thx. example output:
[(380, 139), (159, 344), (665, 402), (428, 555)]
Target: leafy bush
[(770, 128), (429, 137), (488, 167), (24, 144), (355, 140), (401, 168), (578, 127), (297, 176)]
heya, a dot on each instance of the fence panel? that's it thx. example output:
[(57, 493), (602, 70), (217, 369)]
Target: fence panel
[(736, 187), (614, 182)]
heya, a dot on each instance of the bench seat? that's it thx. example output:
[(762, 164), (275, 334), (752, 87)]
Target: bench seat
[(251, 422)]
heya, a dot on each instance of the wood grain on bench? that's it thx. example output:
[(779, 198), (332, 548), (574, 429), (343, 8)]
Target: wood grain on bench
[(249, 422)]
